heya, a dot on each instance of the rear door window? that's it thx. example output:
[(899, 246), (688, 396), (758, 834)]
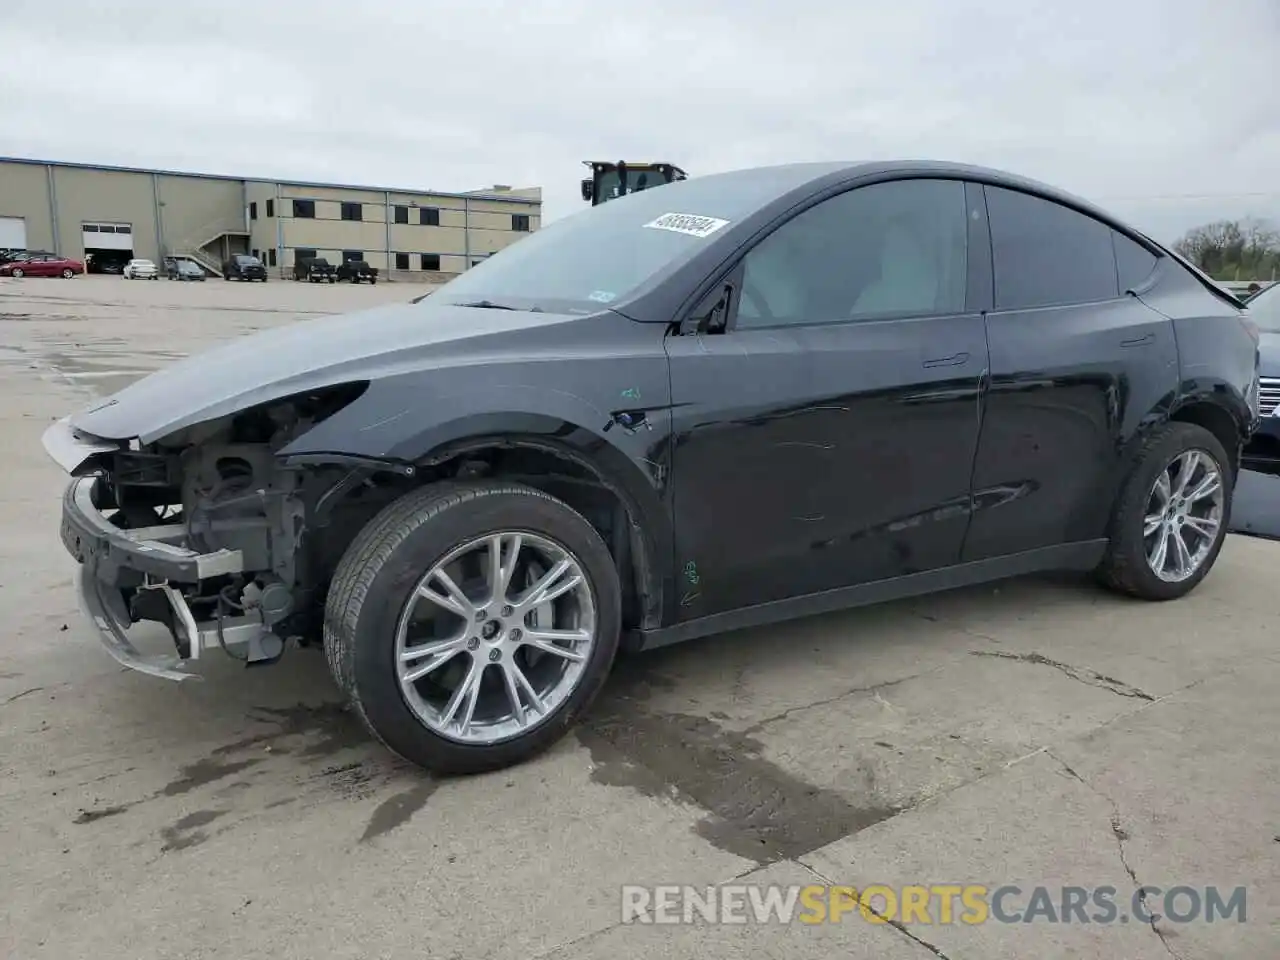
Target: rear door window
[(1047, 254)]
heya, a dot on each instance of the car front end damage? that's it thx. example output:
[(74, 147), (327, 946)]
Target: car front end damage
[(200, 531)]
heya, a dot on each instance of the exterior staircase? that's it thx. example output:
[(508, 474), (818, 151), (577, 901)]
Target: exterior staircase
[(209, 251), (202, 257)]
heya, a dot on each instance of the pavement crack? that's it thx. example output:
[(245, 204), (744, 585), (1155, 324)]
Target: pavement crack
[(19, 696), (896, 924), (1121, 835), (1084, 675), (873, 689), (902, 929)]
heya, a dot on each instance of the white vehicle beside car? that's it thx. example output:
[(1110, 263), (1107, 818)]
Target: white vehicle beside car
[(139, 269)]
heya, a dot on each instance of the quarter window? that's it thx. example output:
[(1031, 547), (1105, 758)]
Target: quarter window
[(1134, 262), (895, 249), (1047, 254)]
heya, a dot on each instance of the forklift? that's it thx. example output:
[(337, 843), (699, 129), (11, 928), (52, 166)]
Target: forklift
[(609, 180)]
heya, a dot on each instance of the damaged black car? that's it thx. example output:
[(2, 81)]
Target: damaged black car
[(735, 400)]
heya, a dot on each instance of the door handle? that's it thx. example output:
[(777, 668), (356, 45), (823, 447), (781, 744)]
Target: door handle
[(952, 361), (1143, 341)]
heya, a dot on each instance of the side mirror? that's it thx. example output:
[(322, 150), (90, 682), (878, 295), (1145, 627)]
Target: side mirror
[(586, 189), (712, 315)]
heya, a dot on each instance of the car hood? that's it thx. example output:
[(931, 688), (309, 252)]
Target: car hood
[(1269, 354), (301, 356)]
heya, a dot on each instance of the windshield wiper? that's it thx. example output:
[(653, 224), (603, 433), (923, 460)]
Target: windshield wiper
[(490, 305), (485, 304)]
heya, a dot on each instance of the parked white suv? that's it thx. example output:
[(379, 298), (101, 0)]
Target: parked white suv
[(140, 270)]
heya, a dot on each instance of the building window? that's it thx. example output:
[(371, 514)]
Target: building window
[(253, 211), (349, 255), (402, 214), (304, 209), (302, 253), (123, 228), (402, 261), (429, 217), (520, 222), (271, 256), (431, 261), (254, 253), (271, 208), (352, 211), (90, 228)]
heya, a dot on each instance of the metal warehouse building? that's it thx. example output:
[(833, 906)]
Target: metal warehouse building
[(112, 213)]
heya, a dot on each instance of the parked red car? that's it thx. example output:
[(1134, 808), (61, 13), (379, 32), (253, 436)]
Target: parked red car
[(42, 265)]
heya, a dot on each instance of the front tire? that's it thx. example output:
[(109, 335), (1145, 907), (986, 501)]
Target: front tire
[(1170, 520), (522, 607)]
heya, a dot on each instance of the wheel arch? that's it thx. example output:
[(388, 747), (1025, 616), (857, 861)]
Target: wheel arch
[(1208, 408), (1225, 421), (600, 482), (619, 492)]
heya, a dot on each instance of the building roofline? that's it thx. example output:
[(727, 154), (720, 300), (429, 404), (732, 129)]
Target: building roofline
[(112, 168)]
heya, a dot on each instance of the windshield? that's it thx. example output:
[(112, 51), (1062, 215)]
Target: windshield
[(1264, 309), (585, 261)]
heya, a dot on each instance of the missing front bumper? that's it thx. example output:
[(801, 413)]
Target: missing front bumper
[(113, 560)]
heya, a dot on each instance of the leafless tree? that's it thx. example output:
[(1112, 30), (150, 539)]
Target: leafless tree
[(1234, 249)]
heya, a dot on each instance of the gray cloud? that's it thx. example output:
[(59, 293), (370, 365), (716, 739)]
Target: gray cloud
[(1164, 110)]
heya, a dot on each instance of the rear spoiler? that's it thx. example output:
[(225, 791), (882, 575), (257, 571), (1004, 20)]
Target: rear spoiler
[(1220, 292)]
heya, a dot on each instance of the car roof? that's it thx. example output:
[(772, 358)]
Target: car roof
[(815, 174)]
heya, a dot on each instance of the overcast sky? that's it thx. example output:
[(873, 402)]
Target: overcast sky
[(1167, 111)]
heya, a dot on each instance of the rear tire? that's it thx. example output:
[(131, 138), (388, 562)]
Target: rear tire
[(1129, 565), (380, 577)]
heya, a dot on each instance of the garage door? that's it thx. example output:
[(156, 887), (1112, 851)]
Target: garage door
[(13, 233), (108, 236)]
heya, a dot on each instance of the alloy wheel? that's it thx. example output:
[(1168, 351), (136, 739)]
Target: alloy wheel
[(495, 637), (1183, 515)]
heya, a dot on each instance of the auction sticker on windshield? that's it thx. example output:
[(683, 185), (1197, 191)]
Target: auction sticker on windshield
[(688, 223)]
